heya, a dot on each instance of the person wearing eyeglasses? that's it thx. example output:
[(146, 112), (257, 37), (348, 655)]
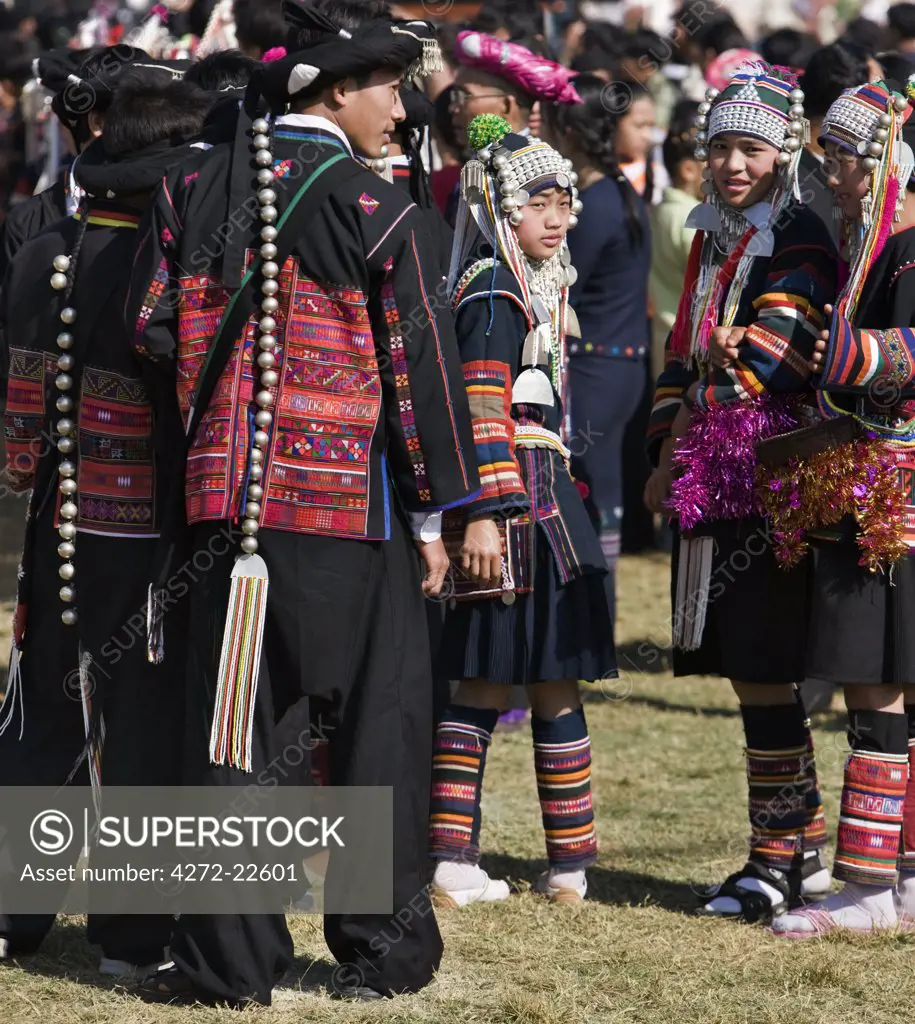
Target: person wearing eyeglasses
[(497, 77)]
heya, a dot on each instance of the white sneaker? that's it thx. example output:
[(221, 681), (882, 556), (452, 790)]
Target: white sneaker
[(4, 949), (454, 892), (561, 893), (123, 970)]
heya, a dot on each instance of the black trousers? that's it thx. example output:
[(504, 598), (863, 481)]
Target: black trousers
[(141, 703), (345, 631)]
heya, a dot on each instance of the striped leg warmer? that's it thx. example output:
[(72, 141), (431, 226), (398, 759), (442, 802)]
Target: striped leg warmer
[(562, 761), (870, 820), (778, 781), (459, 758), (815, 820), (907, 846)]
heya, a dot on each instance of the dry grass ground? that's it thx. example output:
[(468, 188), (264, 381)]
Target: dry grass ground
[(670, 797)]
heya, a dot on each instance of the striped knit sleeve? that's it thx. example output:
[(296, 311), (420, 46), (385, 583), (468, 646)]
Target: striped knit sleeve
[(776, 350), (869, 362), (490, 338), (673, 382)]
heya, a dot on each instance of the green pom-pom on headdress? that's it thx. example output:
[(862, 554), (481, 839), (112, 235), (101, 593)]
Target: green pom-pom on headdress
[(485, 129)]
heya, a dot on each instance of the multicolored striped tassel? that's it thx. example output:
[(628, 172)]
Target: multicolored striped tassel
[(155, 625), (13, 696), (239, 665), (870, 822), (95, 737)]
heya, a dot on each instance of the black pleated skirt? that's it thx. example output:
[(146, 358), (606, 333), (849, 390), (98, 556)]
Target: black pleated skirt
[(553, 633), (757, 614), (861, 622)]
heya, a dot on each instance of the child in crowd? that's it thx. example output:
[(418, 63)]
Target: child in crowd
[(530, 567)]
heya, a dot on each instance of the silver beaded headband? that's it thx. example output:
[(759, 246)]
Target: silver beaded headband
[(519, 174), (748, 119), (858, 125), (747, 114), (753, 118)]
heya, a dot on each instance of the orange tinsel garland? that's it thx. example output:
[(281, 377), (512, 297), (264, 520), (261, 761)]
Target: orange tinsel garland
[(859, 478)]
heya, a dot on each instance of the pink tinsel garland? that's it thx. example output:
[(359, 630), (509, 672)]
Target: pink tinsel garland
[(716, 460)]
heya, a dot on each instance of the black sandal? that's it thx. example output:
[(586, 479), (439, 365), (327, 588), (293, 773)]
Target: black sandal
[(755, 907), (171, 985)]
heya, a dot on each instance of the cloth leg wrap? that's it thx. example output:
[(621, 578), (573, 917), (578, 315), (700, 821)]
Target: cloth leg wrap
[(562, 761), (459, 759), (907, 846), (778, 782), (873, 796)]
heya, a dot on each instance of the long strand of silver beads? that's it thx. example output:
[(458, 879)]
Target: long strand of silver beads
[(380, 162), (65, 429), (266, 342)]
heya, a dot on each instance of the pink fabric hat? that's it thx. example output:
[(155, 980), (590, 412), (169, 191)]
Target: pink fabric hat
[(725, 65), (538, 77)]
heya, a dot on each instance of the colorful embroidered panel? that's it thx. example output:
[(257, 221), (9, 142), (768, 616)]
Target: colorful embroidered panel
[(115, 463), (538, 469), (404, 396), (116, 458), (153, 295), (316, 476), (24, 416), (489, 394), (878, 364)]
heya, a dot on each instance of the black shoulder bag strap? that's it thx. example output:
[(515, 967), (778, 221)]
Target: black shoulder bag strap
[(245, 301)]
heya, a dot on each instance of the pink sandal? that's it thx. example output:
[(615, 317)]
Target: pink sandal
[(823, 924)]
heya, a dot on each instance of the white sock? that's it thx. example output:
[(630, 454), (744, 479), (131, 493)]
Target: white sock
[(906, 890), (819, 882), (857, 906), (728, 905), (451, 875), (566, 879)]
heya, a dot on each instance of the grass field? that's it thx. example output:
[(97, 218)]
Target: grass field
[(670, 795)]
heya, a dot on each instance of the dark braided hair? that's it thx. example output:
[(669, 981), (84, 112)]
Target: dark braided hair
[(592, 124), (680, 143)]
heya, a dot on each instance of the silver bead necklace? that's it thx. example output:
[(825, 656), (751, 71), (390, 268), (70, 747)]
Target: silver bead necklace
[(66, 428), (265, 398)]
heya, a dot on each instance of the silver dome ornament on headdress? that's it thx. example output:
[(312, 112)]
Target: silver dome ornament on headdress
[(858, 121), (496, 185), (743, 108)]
